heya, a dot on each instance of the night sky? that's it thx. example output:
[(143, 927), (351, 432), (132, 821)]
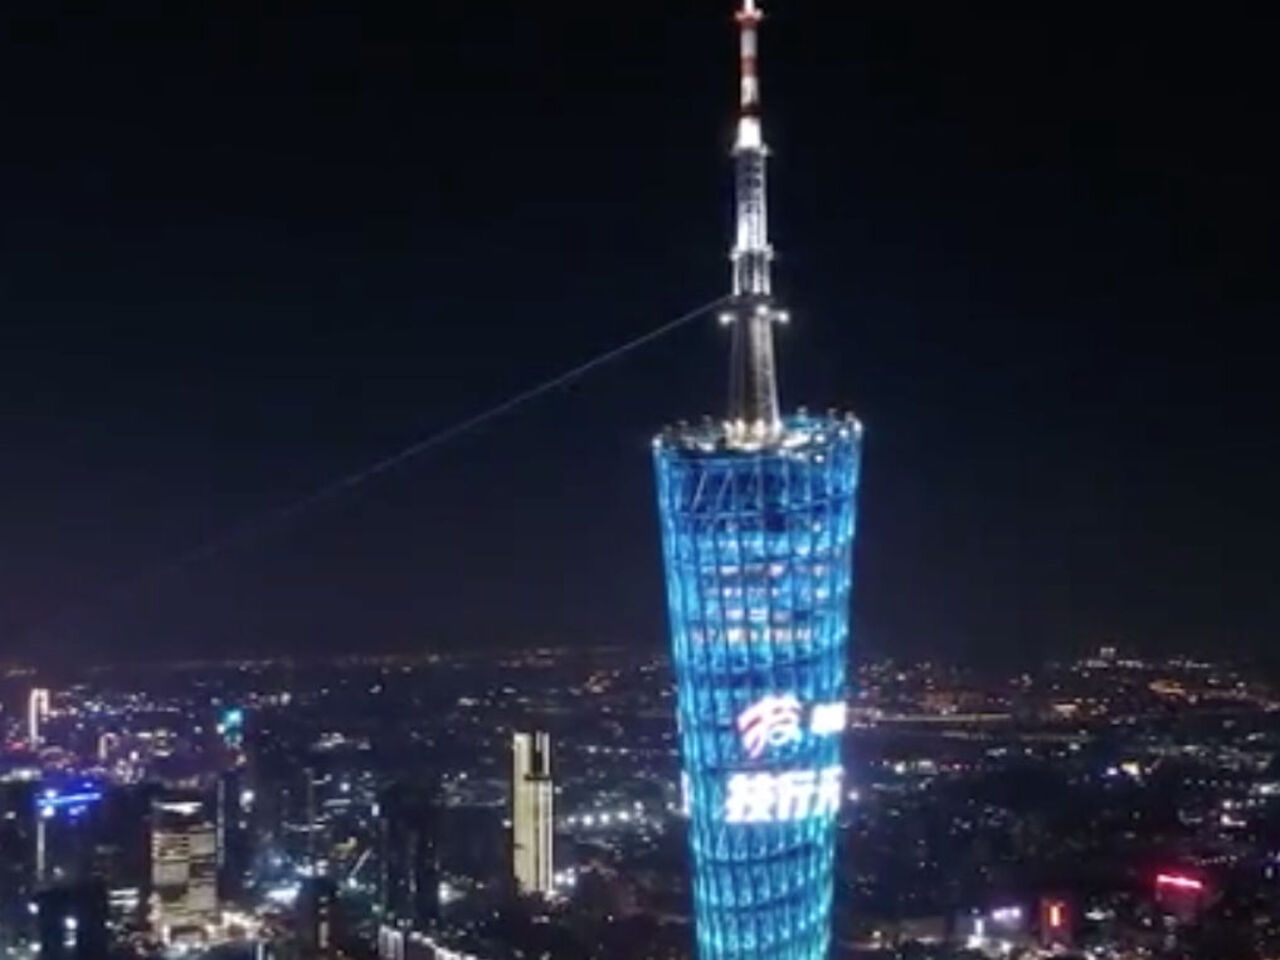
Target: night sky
[(243, 255)]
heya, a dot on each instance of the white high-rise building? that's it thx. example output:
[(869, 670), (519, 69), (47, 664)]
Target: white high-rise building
[(37, 710), (532, 825), (184, 867)]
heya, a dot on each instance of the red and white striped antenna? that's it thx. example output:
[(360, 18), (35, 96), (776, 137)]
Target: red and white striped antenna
[(753, 388)]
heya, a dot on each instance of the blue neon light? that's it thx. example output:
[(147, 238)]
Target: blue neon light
[(757, 547), (74, 802), (70, 799)]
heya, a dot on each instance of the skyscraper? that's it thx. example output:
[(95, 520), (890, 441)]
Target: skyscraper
[(37, 710), (318, 917), (532, 827), (233, 840), (757, 517), (70, 840), (409, 885), (18, 828), (184, 866)]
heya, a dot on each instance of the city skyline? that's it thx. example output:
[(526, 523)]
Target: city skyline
[(1072, 805), (1039, 294), (378, 397)]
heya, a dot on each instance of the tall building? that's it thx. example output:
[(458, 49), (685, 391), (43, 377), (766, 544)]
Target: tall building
[(108, 744), (71, 922), (37, 710), (757, 519), (409, 882), (1055, 924), (318, 917), (122, 856), (18, 829), (234, 841), (68, 831), (532, 826), (184, 866)]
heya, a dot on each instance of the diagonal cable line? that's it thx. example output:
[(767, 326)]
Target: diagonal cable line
[(248, 530), (338, 487)]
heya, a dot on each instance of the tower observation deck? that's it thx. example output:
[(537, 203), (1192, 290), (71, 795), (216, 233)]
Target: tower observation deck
[(757, 518)]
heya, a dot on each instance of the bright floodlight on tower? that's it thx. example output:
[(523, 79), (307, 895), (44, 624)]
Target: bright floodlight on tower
[(757, 516)]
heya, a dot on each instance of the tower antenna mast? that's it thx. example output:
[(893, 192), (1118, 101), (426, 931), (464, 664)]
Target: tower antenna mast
[(753, 385)]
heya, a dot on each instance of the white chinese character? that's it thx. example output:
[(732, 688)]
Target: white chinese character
[(770, 722), (828, 718), (752, 798), (795, 791), (829, 781)]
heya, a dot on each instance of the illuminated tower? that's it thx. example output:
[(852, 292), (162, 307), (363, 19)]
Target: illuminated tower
[(757, 515), (531, 813)]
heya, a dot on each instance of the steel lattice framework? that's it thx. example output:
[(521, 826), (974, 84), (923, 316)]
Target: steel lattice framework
[(757, 549)]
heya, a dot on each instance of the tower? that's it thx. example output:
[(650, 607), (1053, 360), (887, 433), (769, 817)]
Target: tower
[(531, 813), (757, 519)]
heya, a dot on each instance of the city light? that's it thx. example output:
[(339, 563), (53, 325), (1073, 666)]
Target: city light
[(1179, 882), (599, 819), (1006, 916), (52, 802), (285, 894)]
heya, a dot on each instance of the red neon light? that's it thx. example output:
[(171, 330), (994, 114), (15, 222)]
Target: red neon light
[(1176, 880), (1055, 915)]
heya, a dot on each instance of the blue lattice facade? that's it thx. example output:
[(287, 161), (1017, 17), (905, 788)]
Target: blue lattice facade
[(757, 545)]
